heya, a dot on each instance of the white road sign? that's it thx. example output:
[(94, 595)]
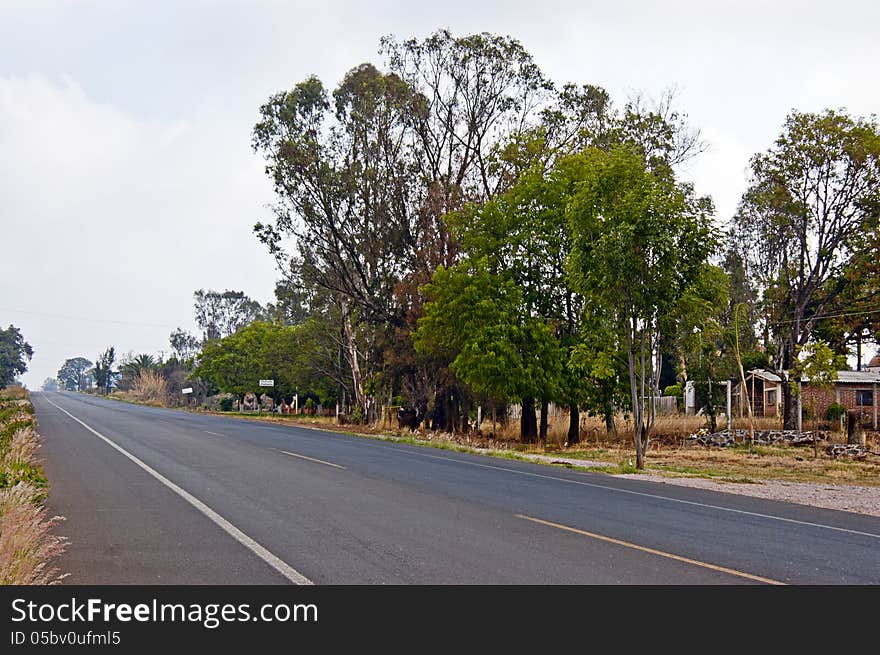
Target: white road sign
[(187, 390), (267, 383)]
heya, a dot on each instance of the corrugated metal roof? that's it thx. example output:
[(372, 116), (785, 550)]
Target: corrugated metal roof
[(863, 377), (761, 374), (844, 377)]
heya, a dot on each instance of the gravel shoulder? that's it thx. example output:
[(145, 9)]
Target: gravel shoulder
[(862, 500)]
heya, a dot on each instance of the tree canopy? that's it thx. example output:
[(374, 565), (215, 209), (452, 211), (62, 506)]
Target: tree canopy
[(15, 353)]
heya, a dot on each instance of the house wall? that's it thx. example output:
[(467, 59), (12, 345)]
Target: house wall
[(845, 394), (771, 408)]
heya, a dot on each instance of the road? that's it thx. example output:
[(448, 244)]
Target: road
[(154, 496)]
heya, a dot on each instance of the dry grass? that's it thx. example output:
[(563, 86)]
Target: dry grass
[(27, 545), (670, 453), (150, 386)]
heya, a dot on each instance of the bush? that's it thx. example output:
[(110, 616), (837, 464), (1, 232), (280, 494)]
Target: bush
[(673, 390), (677, 392), (226, 404), (835, 412)]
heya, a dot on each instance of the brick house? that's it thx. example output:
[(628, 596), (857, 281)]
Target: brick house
[(855, 390)]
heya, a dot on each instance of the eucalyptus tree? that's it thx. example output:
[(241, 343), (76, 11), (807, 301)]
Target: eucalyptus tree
[(220, 314), (811, 199), (342, 169), (184, 345)]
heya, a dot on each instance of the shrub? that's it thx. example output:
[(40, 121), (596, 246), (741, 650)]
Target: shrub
[(226, 404), (835, 412), (673, 390), (677, 392)]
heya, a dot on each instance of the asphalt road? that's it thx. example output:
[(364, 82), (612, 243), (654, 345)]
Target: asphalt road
[(155, 496)]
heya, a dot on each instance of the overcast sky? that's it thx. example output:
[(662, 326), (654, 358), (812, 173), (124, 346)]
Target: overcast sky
[(126, 175)]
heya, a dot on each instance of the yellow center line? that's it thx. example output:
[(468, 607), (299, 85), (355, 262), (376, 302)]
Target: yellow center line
[(652, 551), (312, 459)]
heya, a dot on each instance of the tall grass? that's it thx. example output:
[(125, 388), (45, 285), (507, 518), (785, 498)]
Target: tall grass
[(27, 545), (150, 386)]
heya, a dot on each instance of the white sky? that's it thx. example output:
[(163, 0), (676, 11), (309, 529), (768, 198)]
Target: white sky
[(126, 175)]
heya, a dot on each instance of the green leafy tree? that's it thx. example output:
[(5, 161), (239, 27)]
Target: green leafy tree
[(15, 353), (496, 347), (810, 199), (50, 384), (640, 240), (818, 366), (74, 374)]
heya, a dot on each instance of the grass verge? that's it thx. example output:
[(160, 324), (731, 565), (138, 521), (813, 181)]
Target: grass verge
[(27, 545)]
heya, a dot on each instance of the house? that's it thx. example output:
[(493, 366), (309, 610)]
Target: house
[(855, 390), (764, 391)]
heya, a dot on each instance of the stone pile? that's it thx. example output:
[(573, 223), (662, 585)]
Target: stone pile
[(854, 451), (724, 438)]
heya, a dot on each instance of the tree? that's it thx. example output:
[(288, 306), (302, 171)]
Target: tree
[(184, 345), (15, 353), (50, 384), (221, 314), (74, 374), (818, 366), (343, 174), (496, 346), (810, 199), (103, 370), (640, 239)]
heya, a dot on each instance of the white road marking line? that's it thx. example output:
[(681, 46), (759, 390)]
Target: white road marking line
[(271, 559), (657, 496), (652, 551), (311, 459), (216, 434)]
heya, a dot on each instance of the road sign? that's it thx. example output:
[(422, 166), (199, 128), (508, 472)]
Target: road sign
[(267, 383), (187, 390)]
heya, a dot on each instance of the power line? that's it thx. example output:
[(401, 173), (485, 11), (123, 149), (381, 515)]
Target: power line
[(838, 315), (92, 320)]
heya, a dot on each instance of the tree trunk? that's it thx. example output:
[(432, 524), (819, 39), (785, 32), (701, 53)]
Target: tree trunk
[(574, 424), (545, 407), (528, 422), (789, 407), (854, 432), (610, 426), (452, 412), (636, 395), (359, 397)]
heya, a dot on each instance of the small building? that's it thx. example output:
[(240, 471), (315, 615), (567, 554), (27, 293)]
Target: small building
[(855, 390), (764, 391)]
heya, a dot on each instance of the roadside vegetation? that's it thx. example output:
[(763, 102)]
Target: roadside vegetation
[(27, 543), (473, 252)]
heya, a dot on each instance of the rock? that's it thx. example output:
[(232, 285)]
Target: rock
[(855, 451)]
